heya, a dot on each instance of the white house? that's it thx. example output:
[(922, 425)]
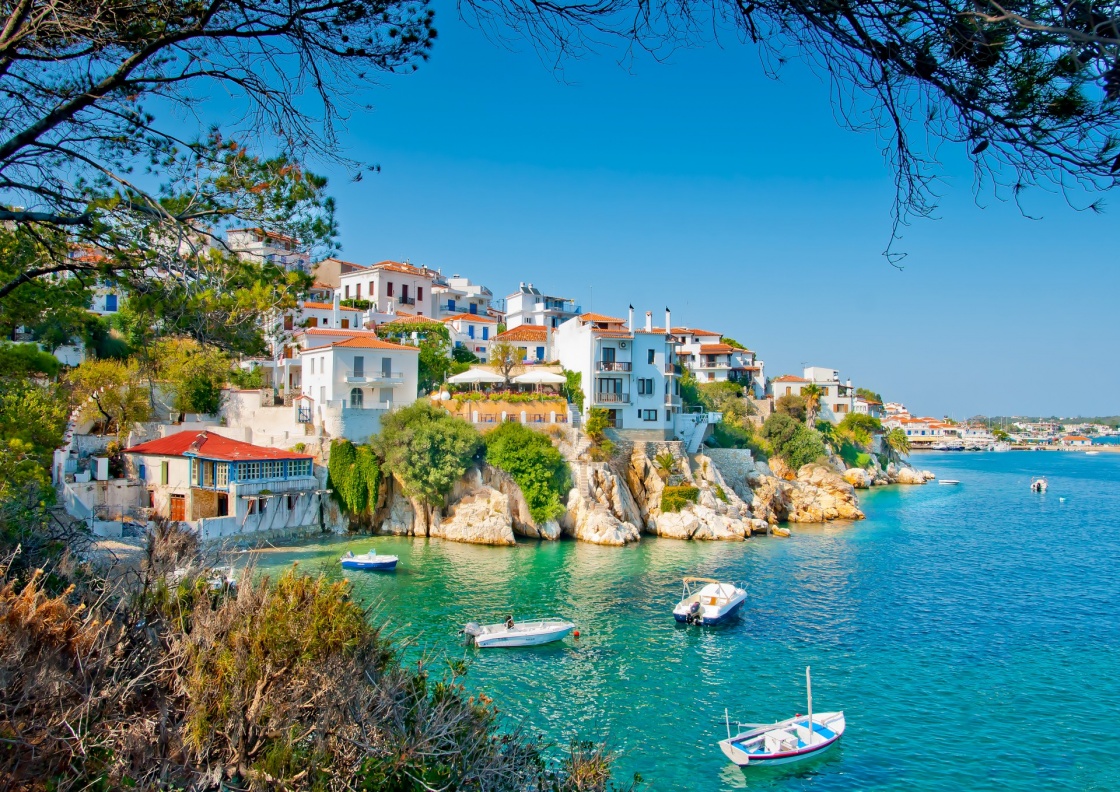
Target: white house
[(837, 398), (259, 245), (1075, 440), (528, 306), (352, 381), (391, 287), (865, 406), (457, 295), (223, 487), (534, 339), (474, 332), (630, 374), (704, 354)]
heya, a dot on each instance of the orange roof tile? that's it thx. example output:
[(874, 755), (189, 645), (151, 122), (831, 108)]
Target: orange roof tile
[(407, 269), (210, 446), (594, 317), (363, 342), (613, 333), (471, 317), (525, 332), (790, 378), (407, 318), (318, 306), (717, 349)]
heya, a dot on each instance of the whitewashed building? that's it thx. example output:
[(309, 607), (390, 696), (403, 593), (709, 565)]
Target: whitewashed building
[(528, 306), (224, 487), (259, 245), (391, 287), (535, 340), (350, 382), (709, 359), (458, 295), (837, 398), (473, 332)]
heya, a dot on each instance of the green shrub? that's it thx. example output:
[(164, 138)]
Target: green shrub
[(535, 464), (247, 379), (354, 474), (720, 493), (602, 451), (791, 440), (427, 448), (673, 499), (596, 425)]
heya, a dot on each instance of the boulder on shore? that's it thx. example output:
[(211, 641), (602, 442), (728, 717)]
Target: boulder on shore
[(857, 477), (480, 518), (608, 516)]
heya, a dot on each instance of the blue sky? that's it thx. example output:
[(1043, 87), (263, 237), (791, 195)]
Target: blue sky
[(741, 204)]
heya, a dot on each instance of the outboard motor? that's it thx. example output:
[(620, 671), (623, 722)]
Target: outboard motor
[(693, 614), (471, 630)]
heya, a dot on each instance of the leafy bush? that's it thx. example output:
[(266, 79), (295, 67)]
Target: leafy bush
[(427, 448), (461, 354), (793, 406), (573, 387), (602, 451), (247, 379), (791, 440), (596, 424), (720, 493), (673, 499), (537, 467), (26, 360), (354, 474)]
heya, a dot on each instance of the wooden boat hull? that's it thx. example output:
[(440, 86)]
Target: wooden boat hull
[(737, 751)]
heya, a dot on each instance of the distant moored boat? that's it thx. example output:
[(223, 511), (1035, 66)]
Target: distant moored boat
[(1038, 484)]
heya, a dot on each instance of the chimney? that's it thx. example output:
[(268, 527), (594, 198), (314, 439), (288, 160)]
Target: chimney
[(668, 321), (649, 321), (630, 320), (337, 314), (547, 344)]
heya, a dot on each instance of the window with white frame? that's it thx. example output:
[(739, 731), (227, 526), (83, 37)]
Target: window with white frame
[(647, 415), (299, 467), (273, 468), (223, 474), (249, 471)]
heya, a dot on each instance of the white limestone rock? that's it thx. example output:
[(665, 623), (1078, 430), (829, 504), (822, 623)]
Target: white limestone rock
[(480, 518)]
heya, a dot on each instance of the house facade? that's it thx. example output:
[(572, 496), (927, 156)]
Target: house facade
[(473, 332), (261, 246), (391, 287), (529, 306), (837, 399), (535, 340), (458, 295), (630, 374), (1075, 440), (223, 487), (351, 382)]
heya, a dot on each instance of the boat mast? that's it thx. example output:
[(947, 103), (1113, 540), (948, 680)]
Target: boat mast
[(809, 693)]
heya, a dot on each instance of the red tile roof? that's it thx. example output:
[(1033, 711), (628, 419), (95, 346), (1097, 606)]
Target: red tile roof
[(525, 332), (407, 269), (717, 349), (790, 378), (407, 318), (210, 446), (613, 333), (327, 307), (369, 343), (594, 317), (471, 317)]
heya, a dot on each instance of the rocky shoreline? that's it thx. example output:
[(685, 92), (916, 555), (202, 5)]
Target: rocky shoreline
[(729, 497)]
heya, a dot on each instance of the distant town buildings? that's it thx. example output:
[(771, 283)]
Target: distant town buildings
[(529, 306)]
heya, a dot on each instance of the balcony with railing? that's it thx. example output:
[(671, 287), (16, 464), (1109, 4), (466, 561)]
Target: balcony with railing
[(605, 397), (364, 377), (624, 366), (671, 369), (563, 306)]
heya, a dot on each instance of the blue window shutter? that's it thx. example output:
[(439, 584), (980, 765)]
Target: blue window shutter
[(485, 333), (470, 331), (540, 353)]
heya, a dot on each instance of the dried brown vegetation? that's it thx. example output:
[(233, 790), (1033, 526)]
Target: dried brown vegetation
[(267, 685)]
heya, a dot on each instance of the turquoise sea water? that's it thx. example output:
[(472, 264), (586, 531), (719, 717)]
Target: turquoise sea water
[(971, 634)]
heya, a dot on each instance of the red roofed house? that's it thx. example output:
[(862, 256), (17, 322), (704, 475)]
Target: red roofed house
[(529, 306), (392, 286), (532, 338), (353, 378), (472, 332), (223, 487), (1075, 440)]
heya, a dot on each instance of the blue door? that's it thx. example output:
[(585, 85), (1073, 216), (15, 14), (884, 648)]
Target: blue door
[(540, 353), (470, 331), (485, 333), (110, 302), (451, 306), (474, 308)]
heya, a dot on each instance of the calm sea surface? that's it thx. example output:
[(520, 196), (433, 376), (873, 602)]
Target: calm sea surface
[(971, 634)]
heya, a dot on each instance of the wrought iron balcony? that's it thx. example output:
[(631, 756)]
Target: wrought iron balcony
[(615, 365)]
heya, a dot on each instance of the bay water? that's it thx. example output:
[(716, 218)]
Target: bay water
[(970, 633)]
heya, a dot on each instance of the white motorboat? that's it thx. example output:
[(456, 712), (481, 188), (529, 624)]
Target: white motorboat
[(1092, 453), (1038, 484), (523, 633), (791, 740), (710, 604), (369, 561), (948, 481)]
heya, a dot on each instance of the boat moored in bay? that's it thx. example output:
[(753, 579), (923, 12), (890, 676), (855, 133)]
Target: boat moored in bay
[(710, 604), (370, 561), (523, 633)]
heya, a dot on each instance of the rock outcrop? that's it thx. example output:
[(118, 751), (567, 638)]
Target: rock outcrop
[(606, 514), (481, 518), (903, 474), (858, 478)]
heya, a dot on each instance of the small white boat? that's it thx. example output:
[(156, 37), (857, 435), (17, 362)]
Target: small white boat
[(1038, 484), (948, 481), (712, 603), (369, 561), (526, 633), (1091, 453), (791, 740)]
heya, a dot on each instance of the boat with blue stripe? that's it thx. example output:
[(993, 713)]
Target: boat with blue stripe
[(791, 740), (370, 561), (713, 603)]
